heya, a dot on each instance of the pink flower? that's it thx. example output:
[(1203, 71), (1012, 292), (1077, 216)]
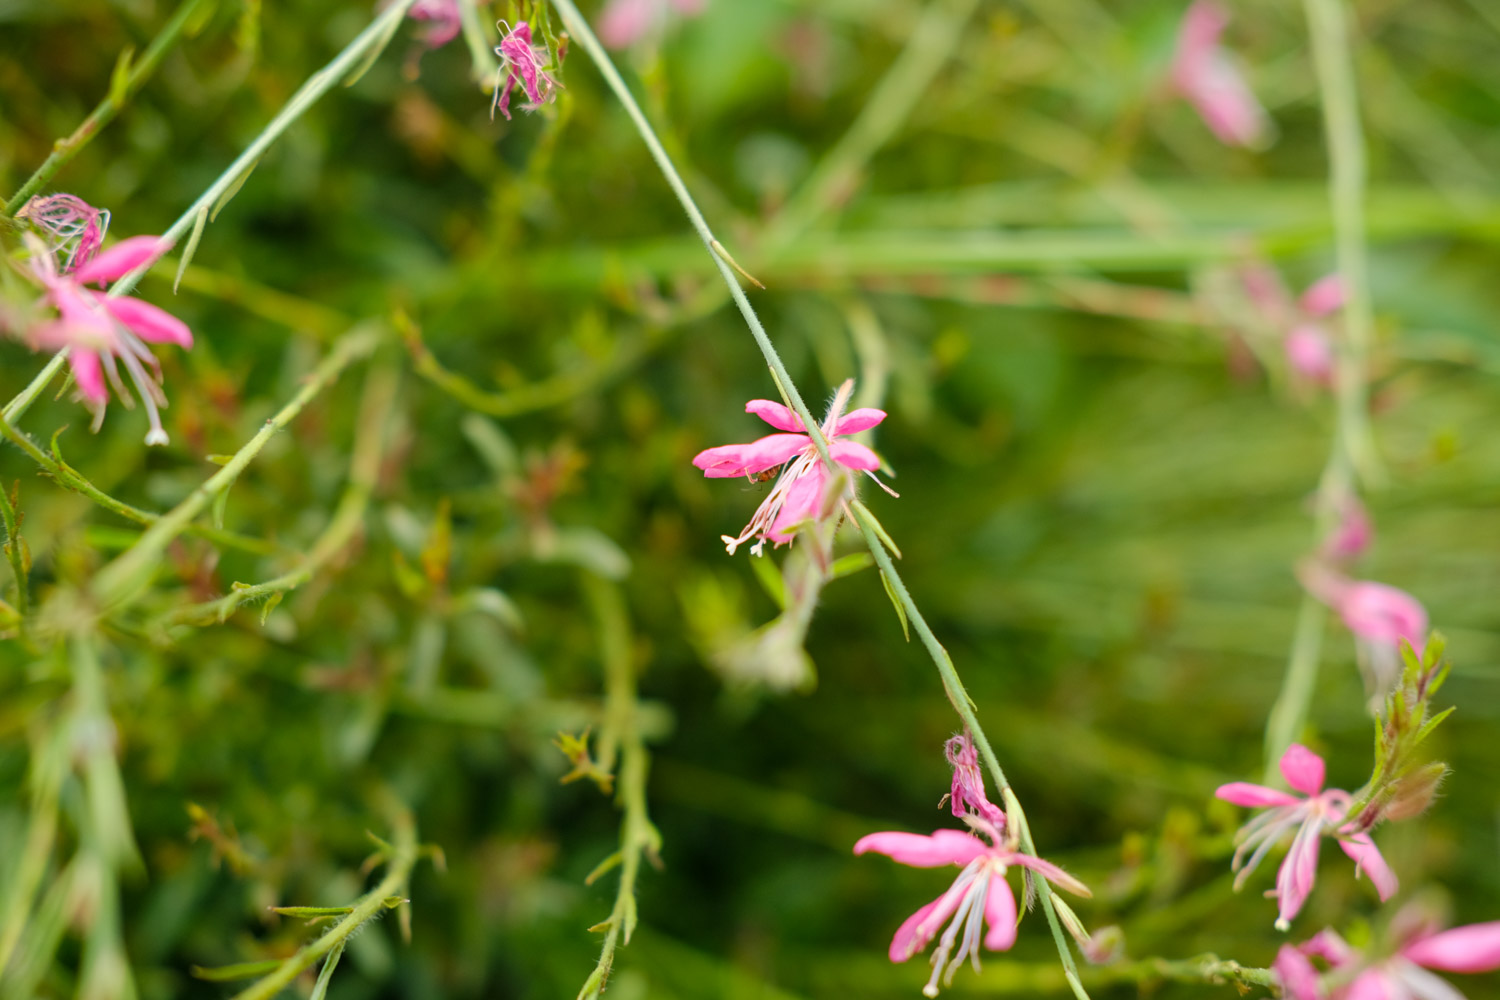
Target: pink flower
[(799, 493), (1206, 75), (1353, 533), (1310, 817), (968, 782), (525, 62), (1305, 337), (103, 332), (1402, 976), (1380, 616), (978, 896), (443, 21), (623, 23), (67, 218)]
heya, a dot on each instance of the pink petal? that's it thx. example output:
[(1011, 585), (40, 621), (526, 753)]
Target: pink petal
[(907, 941), (727, 461), (853, 455), (147, 321), (1242, 793), (124, 256), (622, 23), (79, 336), (801, 504), (1369, 860), (1226, 104), (776, 415), (1326, 295), (1475, 948), (1327, 945), (1299, 978), (89, 375), (1383, 614), (1052, 874), (944, 847), (1197, 38), (1371, 985), (1302, 769), (1298, 872), (1000, 914), (858, 420), (1309, 352)]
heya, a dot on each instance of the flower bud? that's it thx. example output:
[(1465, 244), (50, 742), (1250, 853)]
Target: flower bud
[(1414, 792)]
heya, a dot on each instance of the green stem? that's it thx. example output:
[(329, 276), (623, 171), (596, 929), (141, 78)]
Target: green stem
[(15, 554), (64, 150), (117, 582), (1289, 713), (402, 859), (48, 768), (951, 682), (364, 469), (638, 835)]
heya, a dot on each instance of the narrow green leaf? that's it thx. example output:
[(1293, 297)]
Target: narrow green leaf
[(309, 912), (850, 564), (769, 575), (232, 190), (1431, 724), (373, 54), (320, 988), (230, 973), (896, 603), (119, 79), (221, 503), (199, 221), (878, 528), (270, 605), (603, 868)]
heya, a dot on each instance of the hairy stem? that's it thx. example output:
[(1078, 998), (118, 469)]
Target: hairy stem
[(64, 150), (951, 682)]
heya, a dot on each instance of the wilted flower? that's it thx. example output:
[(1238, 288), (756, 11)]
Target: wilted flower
[(1207, 76), (101, 330), (622, 23), (1403, 975), (978, 896), (68, 219), (800, 492), (1321, 811), (968, 782), (525, 62), (1380, 616), (443, 21)]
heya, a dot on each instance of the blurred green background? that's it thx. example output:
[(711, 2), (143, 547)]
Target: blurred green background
[(1102, 492)]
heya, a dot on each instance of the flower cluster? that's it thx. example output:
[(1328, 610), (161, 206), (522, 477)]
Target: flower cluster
[(802, 491), (525, 62), (1402, 974), (979, 896), (1320, 811), (1207, 76), (104, 333), (1300, 323)]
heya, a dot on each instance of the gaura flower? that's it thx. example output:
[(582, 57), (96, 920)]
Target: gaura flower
[(443, 21), (1352, 534), (1403, 975), (105, 332), (525, 62), (968, 782), (68, 219), (1321, 811), (1380, 616), (1305, 337), (978, 896), (1207, 76), (623, 23), (799, 493)]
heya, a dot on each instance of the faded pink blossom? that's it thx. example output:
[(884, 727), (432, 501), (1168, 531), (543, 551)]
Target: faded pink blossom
[(968, 782), (1380, 616), (104, 332), (1305, 336), (1353, 533), (522, 61), (801, 490), (1403, 975), (623, 23), (68, 219), (1310, 816), (978, 896), (443, 21), (1207, 76)]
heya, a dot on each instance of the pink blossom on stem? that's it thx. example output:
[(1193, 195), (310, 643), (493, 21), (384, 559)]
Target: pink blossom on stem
[(1403, 975), (1207, 76), (979, 895), (104, 333), (522, 61), (800, 493), (1353, 533), (623, 23), (68, 219), (443, 21), (968, 782), (1311, 815), (1380, 616)]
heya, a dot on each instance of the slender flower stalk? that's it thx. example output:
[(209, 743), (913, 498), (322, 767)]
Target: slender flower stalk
[(957, 694)]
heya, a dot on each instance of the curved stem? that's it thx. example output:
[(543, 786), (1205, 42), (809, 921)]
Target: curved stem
[(952, 684)]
